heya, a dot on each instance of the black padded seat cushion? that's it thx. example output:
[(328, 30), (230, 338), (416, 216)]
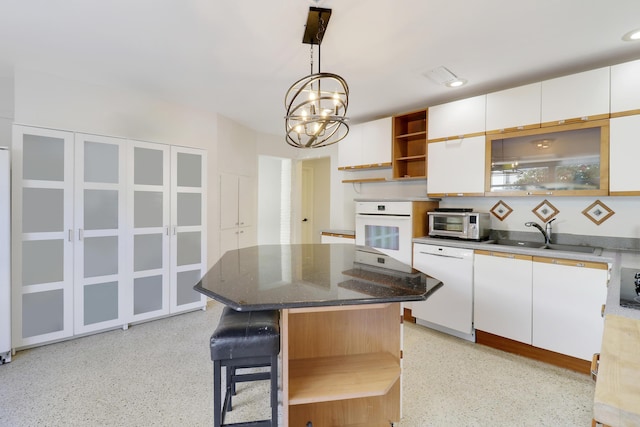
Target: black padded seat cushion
[(246, 334)]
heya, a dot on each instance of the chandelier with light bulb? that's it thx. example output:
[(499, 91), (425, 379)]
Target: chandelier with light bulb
[(316, 104)]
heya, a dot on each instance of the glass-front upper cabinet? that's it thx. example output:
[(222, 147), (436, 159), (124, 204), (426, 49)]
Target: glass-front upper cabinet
[(563, 160)]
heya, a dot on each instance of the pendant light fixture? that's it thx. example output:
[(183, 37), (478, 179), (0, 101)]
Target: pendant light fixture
[(316, 104)]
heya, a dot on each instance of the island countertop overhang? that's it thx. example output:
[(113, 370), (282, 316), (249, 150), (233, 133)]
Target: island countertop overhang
[(267, 277)]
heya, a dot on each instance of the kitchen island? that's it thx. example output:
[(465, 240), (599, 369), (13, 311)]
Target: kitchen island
[(341, 326)]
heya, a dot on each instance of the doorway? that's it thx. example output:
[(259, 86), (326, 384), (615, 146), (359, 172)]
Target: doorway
[(315, 198)]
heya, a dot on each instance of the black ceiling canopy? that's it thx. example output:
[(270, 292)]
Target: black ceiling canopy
[(317, 22)]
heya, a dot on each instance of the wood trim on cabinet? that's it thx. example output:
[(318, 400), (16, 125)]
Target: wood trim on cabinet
[(377, 179), (500, 254), (571, 262), (439, 195), (576, 120), (420, 223), (372, 166), (513, 129), (344, 236), (536, 353), (625, 113), (624, 193), (454, 137)]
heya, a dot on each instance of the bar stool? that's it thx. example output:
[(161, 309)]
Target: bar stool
[(248, 339)]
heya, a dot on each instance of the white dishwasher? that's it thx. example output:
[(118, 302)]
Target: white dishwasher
[(449, 309)]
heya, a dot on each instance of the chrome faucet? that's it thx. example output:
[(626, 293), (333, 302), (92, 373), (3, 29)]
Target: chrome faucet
[(546, 231)]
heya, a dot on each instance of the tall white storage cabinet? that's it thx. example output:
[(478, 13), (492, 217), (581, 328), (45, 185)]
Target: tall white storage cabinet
[(148, 206), (100, 233), (42, 235), (166, 205), (188, 232), (5, 277), (107, 231)]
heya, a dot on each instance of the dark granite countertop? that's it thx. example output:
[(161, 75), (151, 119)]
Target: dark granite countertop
[(288, 276)]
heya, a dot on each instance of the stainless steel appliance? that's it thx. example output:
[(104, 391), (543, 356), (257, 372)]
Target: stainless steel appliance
[(630, 288), (5, 282), (459, 224), (386, 227)]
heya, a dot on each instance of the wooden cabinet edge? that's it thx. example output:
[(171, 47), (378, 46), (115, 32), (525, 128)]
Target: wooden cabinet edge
[(440, 195), (624, 113), (571, 262), (373, 166), (513, 129), (624, 193), (576, 120), (346, 181), (503, 254), (454, 137), (344, 236)]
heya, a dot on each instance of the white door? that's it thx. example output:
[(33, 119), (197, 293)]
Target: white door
[(100, 249), (148, 206), (42, 235), (188, 231)]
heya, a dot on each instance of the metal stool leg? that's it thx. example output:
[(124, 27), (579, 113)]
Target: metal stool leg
[(217, 389), (274, 391)]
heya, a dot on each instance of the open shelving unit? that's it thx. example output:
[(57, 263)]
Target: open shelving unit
[(349, 378), (410, 145)]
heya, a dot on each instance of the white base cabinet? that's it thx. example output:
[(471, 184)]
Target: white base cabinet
[(502, 294), (551, 303), (106, 231), (567, 306)]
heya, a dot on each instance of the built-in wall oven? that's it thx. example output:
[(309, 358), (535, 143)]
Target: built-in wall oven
[(386, 227)]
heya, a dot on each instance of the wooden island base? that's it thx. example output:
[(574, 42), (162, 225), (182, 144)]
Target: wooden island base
[(342, 365)]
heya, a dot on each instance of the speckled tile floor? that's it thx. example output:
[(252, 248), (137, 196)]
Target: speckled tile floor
[(159, 374)]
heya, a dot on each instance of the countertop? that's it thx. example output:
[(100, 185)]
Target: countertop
[(617, 259), (617, 395), (270, 277)]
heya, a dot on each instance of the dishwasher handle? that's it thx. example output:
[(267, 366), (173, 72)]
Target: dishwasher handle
[(441, 255)]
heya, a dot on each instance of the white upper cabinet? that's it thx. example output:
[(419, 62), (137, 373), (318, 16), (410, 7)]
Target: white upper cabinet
[(514, 109), (577, 97), (625, 87), (350, 148), (445, 161), (376, 142), (624, 151), (465, 117), (367, 144)]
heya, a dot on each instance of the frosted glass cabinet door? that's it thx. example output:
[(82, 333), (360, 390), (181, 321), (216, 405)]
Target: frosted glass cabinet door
[(100, 240), (42, 264), (148, 198), (188, 229)]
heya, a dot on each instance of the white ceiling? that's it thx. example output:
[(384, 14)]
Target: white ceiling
[(238, 57)]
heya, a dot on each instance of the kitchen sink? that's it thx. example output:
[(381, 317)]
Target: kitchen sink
[(518, 243), (551, 246), (570, 248)]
